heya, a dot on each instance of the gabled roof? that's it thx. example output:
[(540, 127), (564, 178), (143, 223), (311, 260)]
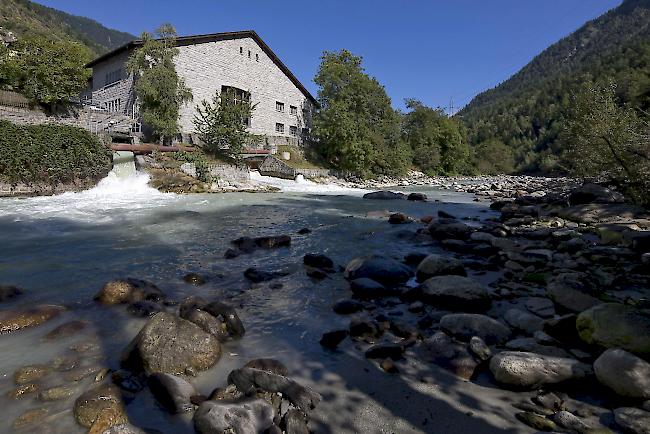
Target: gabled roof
[(213, 37)]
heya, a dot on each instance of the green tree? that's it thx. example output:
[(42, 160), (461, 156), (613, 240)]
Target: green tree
[(604, 138), (222, 125), (437, 141), (356, 127), (47, 72), (161, 92), (493, 157)]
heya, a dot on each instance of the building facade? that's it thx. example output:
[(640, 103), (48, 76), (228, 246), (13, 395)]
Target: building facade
[(239, 61)]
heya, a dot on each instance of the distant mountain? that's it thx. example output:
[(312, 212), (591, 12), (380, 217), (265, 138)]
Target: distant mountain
[(526, 112), (26, 18)]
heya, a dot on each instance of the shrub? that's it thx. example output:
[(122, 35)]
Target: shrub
[(50, 153), (200, 163)]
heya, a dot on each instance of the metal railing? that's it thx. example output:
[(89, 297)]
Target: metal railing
[(13, 99)]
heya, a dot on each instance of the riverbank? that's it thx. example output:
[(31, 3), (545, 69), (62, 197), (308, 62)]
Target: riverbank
[(406, 353)]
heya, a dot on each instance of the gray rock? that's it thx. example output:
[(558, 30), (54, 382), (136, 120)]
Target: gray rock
[(171, 345), (624, 373), (455, 292), (466, 325), (479, 348), (439, 265), (384, 195), (482, 237), (365, 288), (248, 380), (523, 321), (633, 420), (228, 315), (532, 371), (346, 307), (172, 392), (541, 306), (386, 271), (536, 421), (103, 401), (530, 345), (128, 290), (444, 230), (571, 422), (594, 193), (125, 428), (242, 417), (450, 354), (269, 365), (294, 422), (569, 295), (612, 325), (8, 292)]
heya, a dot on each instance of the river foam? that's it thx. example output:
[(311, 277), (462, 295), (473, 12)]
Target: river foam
[(302, 185)]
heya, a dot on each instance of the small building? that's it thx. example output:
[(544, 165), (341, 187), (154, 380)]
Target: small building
[(238, 61)]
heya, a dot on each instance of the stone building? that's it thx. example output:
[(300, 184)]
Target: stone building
[(208, 63)]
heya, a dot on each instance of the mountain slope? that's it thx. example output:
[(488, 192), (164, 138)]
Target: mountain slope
[(26, 18), (526, 112)]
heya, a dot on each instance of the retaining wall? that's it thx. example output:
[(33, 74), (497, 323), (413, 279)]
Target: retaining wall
[(221, 171)]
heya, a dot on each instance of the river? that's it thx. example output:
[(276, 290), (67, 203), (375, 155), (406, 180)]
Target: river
[(62, 249)]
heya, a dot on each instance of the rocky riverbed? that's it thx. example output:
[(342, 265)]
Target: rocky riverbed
[(532, 315)]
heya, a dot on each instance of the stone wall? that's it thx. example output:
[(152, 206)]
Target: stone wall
[(27, 190), (93, 121), (272, 166), (221, 171)]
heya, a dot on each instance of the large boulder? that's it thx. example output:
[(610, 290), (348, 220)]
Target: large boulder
[(570, 293), (8, 292), (612, 325), (172, 345), (249, 380), (465, 325), (241, 417), (384, 270), (624, 373), (101, 405), (368, 289), (594, 193), (128, 291), (455, 292), (444, 230), (633, 420), (523, 320), (18, 319), (450, 354), (384, 195), (172, 392), (532, 371), (439, 265)]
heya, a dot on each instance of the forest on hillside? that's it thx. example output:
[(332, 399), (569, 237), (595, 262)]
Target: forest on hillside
[(525, 117)]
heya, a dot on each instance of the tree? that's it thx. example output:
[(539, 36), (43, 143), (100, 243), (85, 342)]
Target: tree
[(437, 141), (161, 92), (493, 157), (47, 72), (357, 129), (605, 138), (222, 125)]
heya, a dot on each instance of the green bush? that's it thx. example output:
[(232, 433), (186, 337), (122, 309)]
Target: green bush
[(200, 163), (50, 153)]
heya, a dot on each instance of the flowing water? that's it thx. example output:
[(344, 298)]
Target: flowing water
[(62, 249)]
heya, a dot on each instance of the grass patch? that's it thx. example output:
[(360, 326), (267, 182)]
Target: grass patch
[(297, 160)]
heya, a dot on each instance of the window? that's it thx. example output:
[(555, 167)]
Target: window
[(257, 57), (293, 109), (279, 106), (238, 96), (241, 50), (279, 128), (113, 77), (293, 130), (249, 54)]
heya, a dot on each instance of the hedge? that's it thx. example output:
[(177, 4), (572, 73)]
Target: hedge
[(50, 153)]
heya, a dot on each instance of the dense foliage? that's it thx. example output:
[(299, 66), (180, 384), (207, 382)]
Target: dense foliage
[(160, 90), (527, 113), (51, 154), (437, 142), (28, 19), (45, 71), (222, 124), (357, 129), (606, 139)]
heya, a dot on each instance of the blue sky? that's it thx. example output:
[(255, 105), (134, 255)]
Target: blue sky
[(432, 50)]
